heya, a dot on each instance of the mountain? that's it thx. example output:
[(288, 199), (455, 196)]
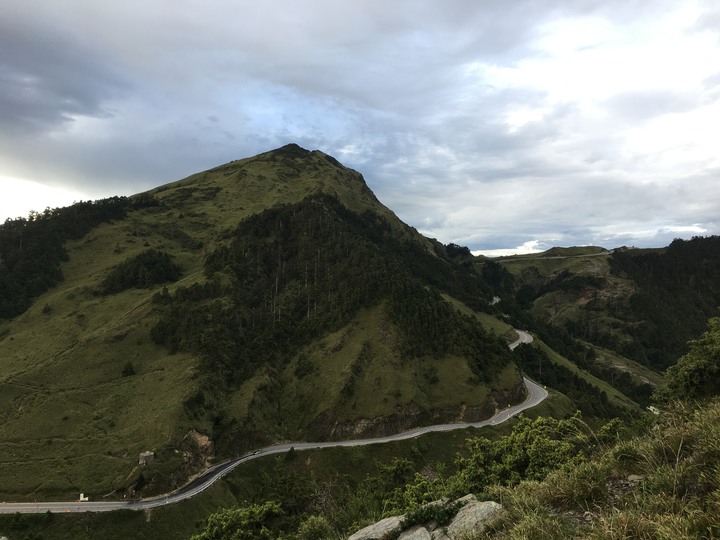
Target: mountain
[(271, 298), (623, 315)]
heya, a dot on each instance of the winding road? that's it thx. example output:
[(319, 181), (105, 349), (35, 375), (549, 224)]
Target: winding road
[(523, 337), (535, 394)]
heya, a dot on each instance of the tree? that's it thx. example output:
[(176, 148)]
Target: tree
[(695, 375), (142, 271)]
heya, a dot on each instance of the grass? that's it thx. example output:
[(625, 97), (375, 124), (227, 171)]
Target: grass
[(614, 395), (250, 185), (249, 483), (586, 261), (674, 495), (639, 372), (71, 422), (590, 306), (178, 521), (441, 383), (488, 322)]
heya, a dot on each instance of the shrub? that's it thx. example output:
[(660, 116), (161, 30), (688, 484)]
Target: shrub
[(315, 528), (254, 522)]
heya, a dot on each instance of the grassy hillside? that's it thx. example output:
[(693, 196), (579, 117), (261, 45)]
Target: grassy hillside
[(643, 305), (564, 375), (570, 296), (203, 317), (652, 478), (335, 479)]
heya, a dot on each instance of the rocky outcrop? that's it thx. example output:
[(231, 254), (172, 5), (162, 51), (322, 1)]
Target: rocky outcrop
[(471, 518), (416, 533), (379, 530)]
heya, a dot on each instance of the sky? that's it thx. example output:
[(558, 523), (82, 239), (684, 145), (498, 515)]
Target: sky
[(502, 125)]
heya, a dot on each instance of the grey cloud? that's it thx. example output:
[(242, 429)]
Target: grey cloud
[(633, 106), (395, 90), (45, 78), (709, 20)]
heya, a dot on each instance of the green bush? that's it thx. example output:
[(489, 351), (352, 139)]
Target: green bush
[(254, 522), (315, 528), (531, 451)]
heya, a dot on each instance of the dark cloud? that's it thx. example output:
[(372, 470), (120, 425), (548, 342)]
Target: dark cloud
[(46, 78)]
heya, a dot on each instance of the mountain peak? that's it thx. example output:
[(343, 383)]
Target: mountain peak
[(233, 191), (292, 149)]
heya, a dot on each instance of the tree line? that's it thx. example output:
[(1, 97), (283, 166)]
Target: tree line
[(33, 248)]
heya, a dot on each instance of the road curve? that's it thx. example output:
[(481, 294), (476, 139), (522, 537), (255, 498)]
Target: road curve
[(535, 394), (523, 337)]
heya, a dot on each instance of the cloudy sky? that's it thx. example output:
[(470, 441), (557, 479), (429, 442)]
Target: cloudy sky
[(496, 124)]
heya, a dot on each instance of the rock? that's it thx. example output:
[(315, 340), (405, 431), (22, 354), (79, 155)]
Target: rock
[(416, 533), (471, 518), (379, 529), (466, 499)]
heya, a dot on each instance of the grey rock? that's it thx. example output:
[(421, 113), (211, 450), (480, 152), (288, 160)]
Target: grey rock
[(416, 533), (379, 529), (472, 517), (466, 499)]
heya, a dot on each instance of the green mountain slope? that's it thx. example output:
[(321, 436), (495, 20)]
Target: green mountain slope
[(643, 304), (620, 315), (270, 298)]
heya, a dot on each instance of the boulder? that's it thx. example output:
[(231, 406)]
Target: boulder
[(379, 529), (416, 533), (471, 518)]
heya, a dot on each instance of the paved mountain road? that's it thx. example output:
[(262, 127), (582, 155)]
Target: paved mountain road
[(535, 394), (523, 337)]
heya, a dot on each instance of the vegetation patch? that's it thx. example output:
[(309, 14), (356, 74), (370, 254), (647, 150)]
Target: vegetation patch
[(32, 249), (151, 267)]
